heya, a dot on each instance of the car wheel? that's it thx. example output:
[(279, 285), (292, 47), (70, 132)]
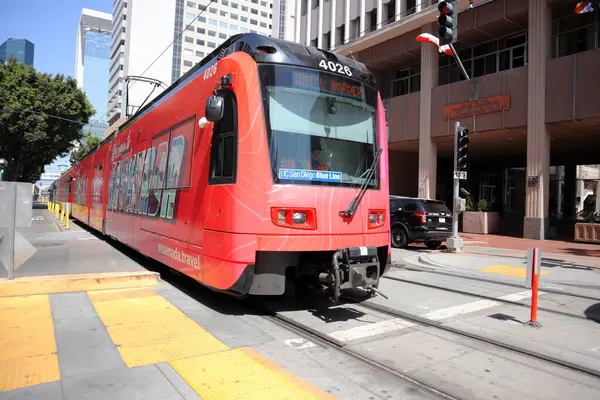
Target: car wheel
[(399, 239), (433, 245)]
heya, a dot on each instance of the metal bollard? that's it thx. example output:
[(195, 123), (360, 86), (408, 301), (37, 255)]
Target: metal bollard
[(67, 221)]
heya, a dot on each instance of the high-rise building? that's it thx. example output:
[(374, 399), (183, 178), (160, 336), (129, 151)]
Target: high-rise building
[(21, 49), (141, 55), (92, 62), (219, 20), (284, 19), (168, 37)]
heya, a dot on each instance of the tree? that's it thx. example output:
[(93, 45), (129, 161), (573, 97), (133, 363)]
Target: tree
[(40, 117), (87, 144)]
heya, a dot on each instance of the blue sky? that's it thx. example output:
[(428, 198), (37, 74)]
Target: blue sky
[(52, 27)]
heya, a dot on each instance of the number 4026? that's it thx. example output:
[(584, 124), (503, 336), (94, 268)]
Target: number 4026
[(336, 67)]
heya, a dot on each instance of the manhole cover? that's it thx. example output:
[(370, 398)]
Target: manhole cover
[(48, 244)]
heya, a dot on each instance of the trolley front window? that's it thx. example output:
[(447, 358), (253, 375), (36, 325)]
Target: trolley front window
[(320, 126)]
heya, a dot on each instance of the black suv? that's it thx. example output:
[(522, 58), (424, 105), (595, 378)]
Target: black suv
[(419, 220)]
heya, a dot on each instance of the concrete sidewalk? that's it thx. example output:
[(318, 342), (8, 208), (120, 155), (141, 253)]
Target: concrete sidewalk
[(83, 321)]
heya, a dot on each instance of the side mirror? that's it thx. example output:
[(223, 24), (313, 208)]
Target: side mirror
[(215, 106)]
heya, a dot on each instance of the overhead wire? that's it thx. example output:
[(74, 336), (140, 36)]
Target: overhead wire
[(156, 59)]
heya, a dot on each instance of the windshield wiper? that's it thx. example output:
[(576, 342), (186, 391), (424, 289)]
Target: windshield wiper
[(363, 189)]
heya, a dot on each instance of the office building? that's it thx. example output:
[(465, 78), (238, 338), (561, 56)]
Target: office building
[(92, 62), (220, 19), (155, 42), (21, 49), (284, 19), (531, 104), (141, 56)]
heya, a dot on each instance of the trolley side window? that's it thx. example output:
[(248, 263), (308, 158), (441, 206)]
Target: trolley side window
[(223, 157)]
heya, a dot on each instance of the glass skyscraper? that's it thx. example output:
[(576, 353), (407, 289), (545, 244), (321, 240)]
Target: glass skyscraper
[(21, 49), (96, 63)]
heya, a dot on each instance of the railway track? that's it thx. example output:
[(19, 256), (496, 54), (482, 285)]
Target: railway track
[(325, 340), (482, 296), (493, 342), (494, 281)]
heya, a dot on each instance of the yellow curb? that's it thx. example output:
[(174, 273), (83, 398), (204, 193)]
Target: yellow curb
[(77, 283)]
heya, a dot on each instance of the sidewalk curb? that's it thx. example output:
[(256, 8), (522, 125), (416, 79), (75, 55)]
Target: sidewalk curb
[(577, 260), (77, 283)]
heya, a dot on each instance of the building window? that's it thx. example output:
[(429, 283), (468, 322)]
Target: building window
[(253, 22), (201, 30), (187, 63), (263, 3), (233, 27), (222, 36), (243, 30), (263, 24), (225, 2), (406, 80), (212, 22), (223, 158), (188, 52), (244, 8), (212, 33), (223, 25), (223, 13), (263, 14), (244, 19), (189, 28), (233, 16), (575, 34), (202, 19), (199, 54), (189, 17), (211, 45), (485, 58), (212, 10), (254, 11), (191, 4), (234, 5), (189, 39), (200, 42)]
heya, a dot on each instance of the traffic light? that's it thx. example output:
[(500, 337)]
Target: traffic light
[(462, 150), (448, 22)]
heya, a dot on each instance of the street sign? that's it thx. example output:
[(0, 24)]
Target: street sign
[(460, 175)]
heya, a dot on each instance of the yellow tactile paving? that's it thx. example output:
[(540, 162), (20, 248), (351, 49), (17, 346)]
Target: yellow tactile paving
[(149, 329), (132, 310), (23, 307), (234, 374), (152, 330), (507, 270), (27, 343), (174, 348), (27, 337), (77, 283), (29, 371), (120, 294)]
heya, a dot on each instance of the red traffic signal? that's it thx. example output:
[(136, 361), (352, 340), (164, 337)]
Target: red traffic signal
[(446, 8), (448, 23)]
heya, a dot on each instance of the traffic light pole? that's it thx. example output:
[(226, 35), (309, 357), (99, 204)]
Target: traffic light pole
[(460, 64), (455, 242)]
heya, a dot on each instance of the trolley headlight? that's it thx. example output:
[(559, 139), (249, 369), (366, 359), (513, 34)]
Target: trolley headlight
[(372, 218), (294, 218), (299, 218), (376, 218)]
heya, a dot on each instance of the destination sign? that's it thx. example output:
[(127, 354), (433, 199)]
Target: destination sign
[(326, 83)]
